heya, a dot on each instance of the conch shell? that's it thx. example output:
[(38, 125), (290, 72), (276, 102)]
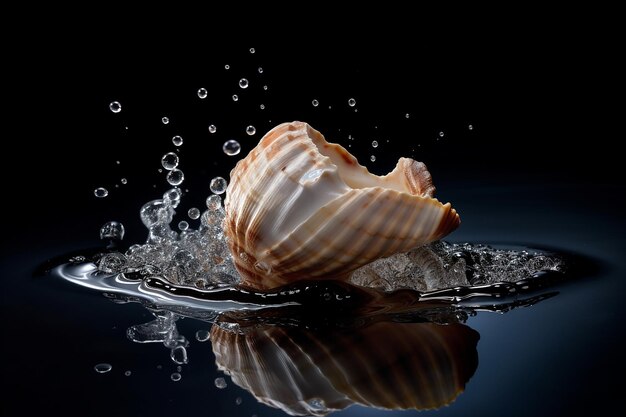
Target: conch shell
[(299, 207), (383, 364)]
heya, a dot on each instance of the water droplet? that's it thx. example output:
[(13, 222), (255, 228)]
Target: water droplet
[(351, 102), (374, 144), (176, 376), (177, 140), (100, 192), (315, 103), (260, 70), (252, 50), (441, 134), (470, 127), (202, 93), (115, 107), (231, 147), (407, 115), (218, 185), (112, 230), (238, 401), (172, 197), (373, 158), (220, 383), (243, 83), (103, 368), (165, 120), (179, 355), (250, 130), (262, 106), (193, 213), (212, 129), (227, 67), (265, 87), (169, 161), (203, 335), (214, 202), (175, 177), (235, 97), (127, 373), (317, 404), (183, 225), (124, 181)]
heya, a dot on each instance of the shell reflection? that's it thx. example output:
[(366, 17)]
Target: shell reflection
[(384, 364)]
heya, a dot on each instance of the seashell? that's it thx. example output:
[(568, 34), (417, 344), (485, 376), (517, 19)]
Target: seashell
[(386, 364), (300, 207)]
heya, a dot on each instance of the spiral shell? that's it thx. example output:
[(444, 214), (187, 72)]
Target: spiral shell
[(300, 207), (385, 365)]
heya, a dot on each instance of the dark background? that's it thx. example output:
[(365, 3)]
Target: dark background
[(541, 124)]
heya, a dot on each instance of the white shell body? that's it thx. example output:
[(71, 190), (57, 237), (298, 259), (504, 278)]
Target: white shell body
[(298, 207)]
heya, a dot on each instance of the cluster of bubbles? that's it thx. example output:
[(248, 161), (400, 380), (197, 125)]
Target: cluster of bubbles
[(199, 258), (447, 265)]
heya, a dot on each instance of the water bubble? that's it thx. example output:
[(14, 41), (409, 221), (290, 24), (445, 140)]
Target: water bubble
[(115, 107), (373, 158), (220, 383), (407, 115), (112, 263), (218, 185), (179, 368), (374, 144), (212, 129), (172, 196), (176, 376), (112, 230), (175, 177), (252, 50), (227, 67), (103, 368), (177, 140), (203, 335), (202, 93), (124, 181), (315, 103), (262, 106), (238, 401), (265, 87), (169, 161), (243, 83), (317, 404), (260, 70), (193, 213), (231, 147), (127, 373), (441, 134), (351, 102), (250, 130), (100, 192), (470, 127), (235, 97), (183, 225), (214, 202), (165, 120), (179, 355)]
